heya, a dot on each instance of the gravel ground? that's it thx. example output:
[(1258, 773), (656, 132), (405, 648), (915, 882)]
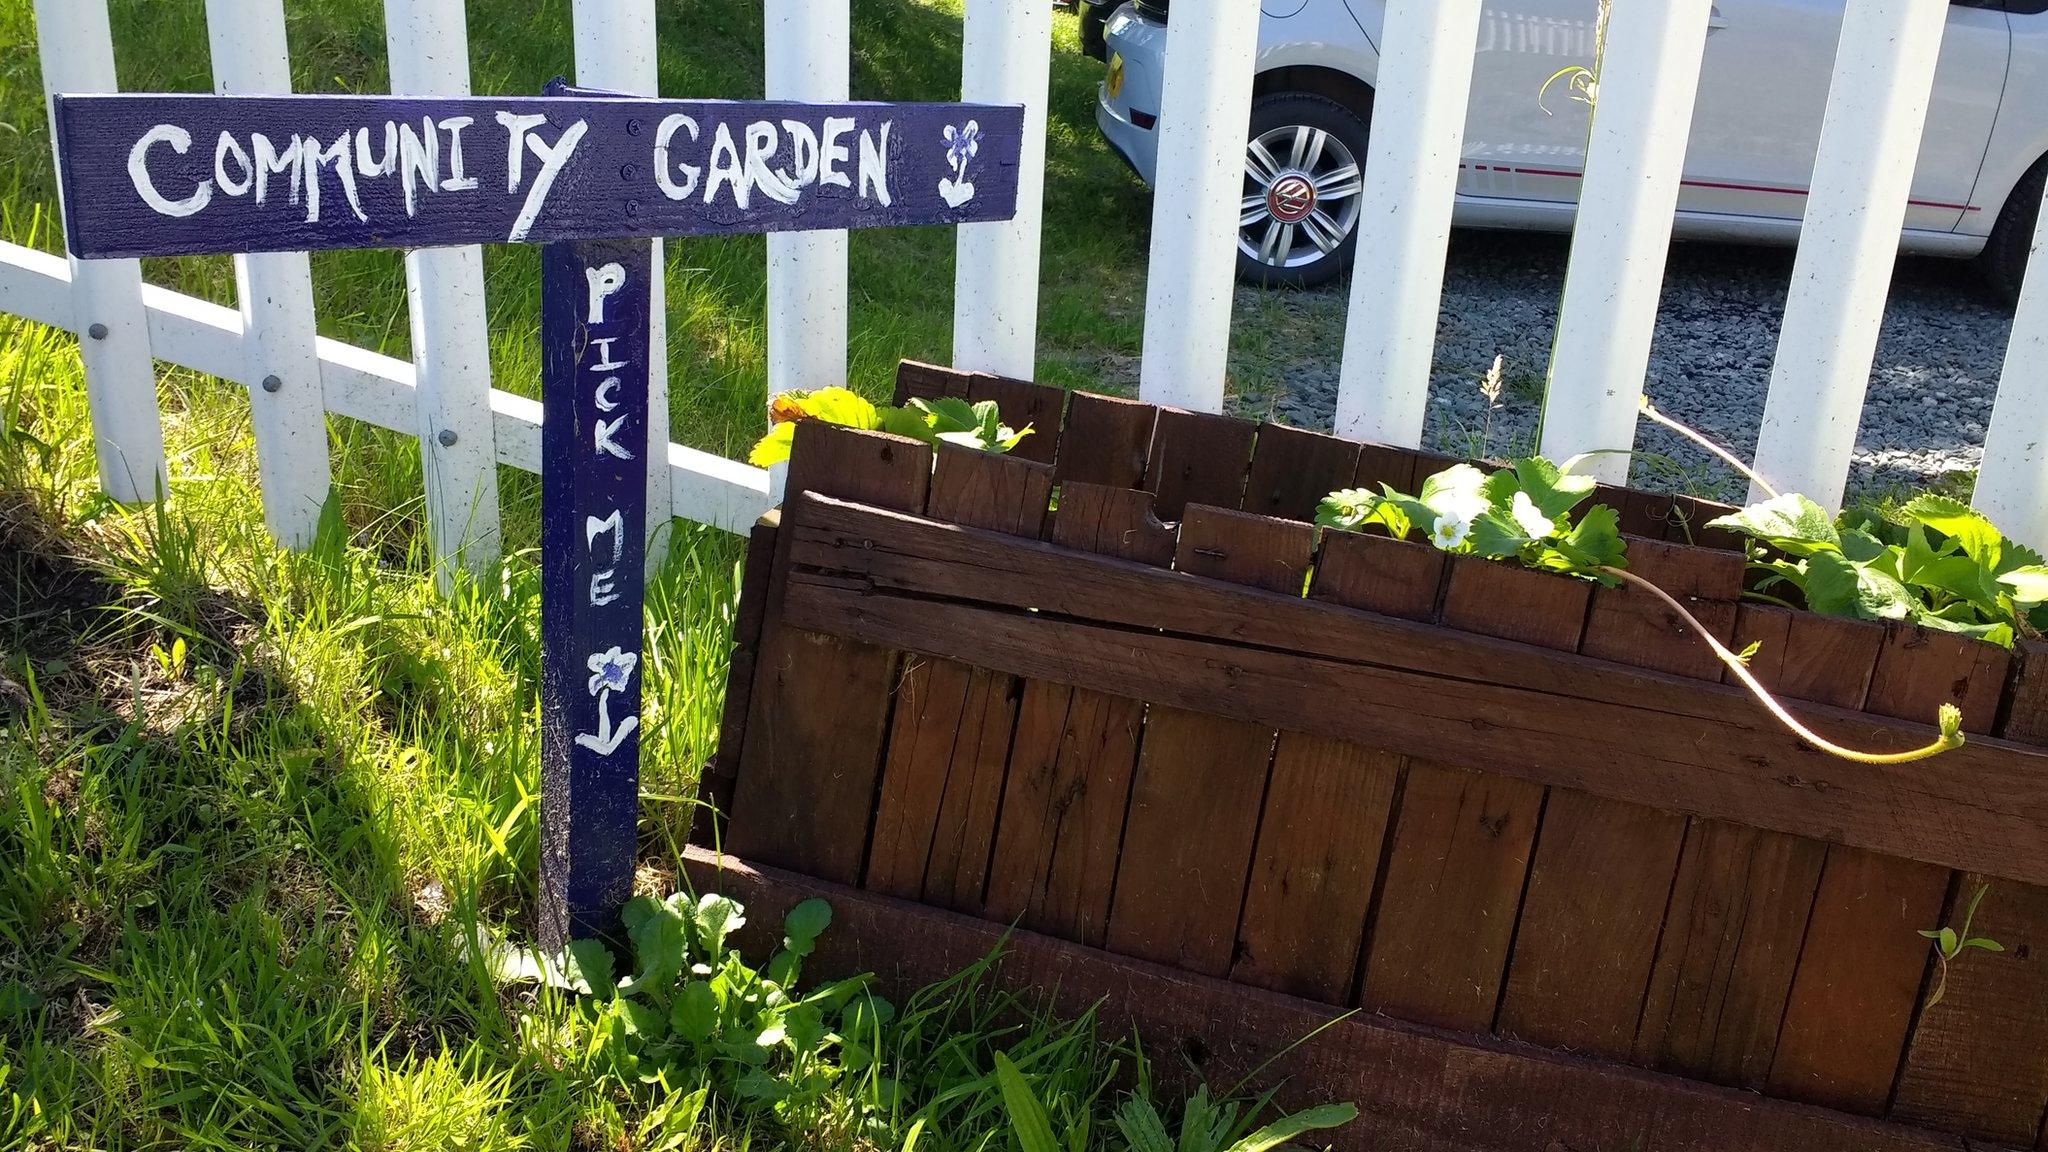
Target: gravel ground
[(1931, 388)]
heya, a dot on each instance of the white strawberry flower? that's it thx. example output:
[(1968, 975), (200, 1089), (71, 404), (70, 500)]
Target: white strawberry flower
[(1450, 531)]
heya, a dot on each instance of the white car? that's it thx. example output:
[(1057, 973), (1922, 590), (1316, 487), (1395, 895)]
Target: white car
[(1756, 123)]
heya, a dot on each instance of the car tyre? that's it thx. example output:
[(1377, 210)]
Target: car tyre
[(1298, 226), (2003, 263)]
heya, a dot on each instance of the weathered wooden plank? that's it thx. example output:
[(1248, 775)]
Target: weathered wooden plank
[(949, 743), (1859, 980), (1069, 785), (1978, 1063), (1549, 717), (1418, 1090), (1328, 804), (1198, 458), (1731, 940), (1107, 441), (1690, 516), (1630, 626), (715, 788), (1201, 779), (819, 709), (2026, 714), (1024, 404), (1292, 470), (1646, 514), (917, 380), (1384, 464), (1459, 856)]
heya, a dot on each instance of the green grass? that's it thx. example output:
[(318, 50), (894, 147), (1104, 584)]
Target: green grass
[(254, 803)]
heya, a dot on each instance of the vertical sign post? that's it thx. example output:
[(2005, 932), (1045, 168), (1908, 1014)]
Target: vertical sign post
[(594, 349), (591, 178)]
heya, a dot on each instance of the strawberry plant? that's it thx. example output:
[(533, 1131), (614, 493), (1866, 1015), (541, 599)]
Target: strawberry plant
[(946, 419)]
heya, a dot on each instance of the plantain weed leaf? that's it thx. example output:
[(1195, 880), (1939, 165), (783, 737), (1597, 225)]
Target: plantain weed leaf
[(1288, 1128), (1791, 523), (1028, 1120), (800, 929)]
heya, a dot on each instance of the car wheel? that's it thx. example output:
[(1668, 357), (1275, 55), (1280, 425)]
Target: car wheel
[(2003, 263), (1302, 187)]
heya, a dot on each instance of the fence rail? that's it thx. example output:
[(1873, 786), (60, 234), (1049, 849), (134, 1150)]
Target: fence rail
[(1882, 79)]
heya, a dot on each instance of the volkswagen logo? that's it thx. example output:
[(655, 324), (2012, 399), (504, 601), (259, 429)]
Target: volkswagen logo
[(1291, 198)]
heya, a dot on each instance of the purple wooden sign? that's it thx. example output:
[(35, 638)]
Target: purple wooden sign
[(170, 175), (594, 348)]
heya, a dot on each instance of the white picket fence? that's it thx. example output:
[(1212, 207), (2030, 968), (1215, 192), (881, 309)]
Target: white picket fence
[(1869, 140)]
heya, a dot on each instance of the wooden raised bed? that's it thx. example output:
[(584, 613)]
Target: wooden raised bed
[(1586, 895)]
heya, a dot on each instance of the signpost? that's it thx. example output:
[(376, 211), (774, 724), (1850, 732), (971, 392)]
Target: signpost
[(590, 177)]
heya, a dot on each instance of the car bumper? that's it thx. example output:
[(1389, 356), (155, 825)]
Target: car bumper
[(1129, 117)]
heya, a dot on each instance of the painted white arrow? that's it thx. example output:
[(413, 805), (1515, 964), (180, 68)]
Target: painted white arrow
[(608, 738)]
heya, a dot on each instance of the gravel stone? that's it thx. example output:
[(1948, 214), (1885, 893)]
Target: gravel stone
[(1936, 371)]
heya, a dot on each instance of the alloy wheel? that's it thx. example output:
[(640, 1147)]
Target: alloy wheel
[(1301, 196)]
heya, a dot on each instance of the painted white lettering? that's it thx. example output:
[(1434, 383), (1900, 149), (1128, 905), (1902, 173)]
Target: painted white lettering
[(457, 181), (602, 590), (615, 524), (605, 282), (269, 160), (222, 149), (602, 433), (516, 127), (664, 174), (602, 397), (761, 142), (552, 160), (338, 155), (874, 165), (385, 166), (419, 161), (604, 349), (138, 172), (726, 168), (803, 153), (831, 153)]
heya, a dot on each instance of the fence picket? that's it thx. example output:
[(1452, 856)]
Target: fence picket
[(1634, 158), (428, 43), (1198, 187), (1006, 59), (76, 48), (1404, 222), (809, 51), (251, 56), (1869, 140), (2012, 483), (615, 50)]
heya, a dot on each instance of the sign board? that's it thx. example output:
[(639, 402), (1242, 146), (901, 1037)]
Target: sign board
[(175, 175), (589, 177)]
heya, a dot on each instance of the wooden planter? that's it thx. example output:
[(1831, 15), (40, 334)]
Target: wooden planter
[(1585, 894)]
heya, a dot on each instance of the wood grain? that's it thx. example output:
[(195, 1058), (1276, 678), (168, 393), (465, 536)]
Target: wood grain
[(1459, 855), (1201, 779), (917, 380), (1292, 470), (1978, 1064), (1198, 458), (1069, 784), (1417, 1089), (1630, 626), (2026, 714), (819, 708), (1107, 441), (721, 775), (1391, 577), (1553, 718), (1024, 404), (1384, 464)]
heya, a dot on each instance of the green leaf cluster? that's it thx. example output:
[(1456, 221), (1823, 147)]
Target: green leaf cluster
[(1934, 561), (694, 1013), (1527, 512), (1206, 1125), (948, 420)]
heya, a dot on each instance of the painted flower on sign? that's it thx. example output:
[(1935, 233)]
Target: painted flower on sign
[(962, 143), (611, 670)]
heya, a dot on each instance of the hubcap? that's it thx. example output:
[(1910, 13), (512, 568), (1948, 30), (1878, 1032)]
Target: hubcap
[(1301, 193)]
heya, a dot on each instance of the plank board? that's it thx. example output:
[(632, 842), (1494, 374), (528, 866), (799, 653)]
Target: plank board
[(819, 708), (1391, 577), (1292, 470), (917, 380), (949, 743), (1069, 784), (1459, 854), (721, 775), (1418, 1090), (2026, 718), (1384, 464), (1274, 659), (1201, 779), (1198, 458), (1978, 1063), (1107, 441), (1024, 404)]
